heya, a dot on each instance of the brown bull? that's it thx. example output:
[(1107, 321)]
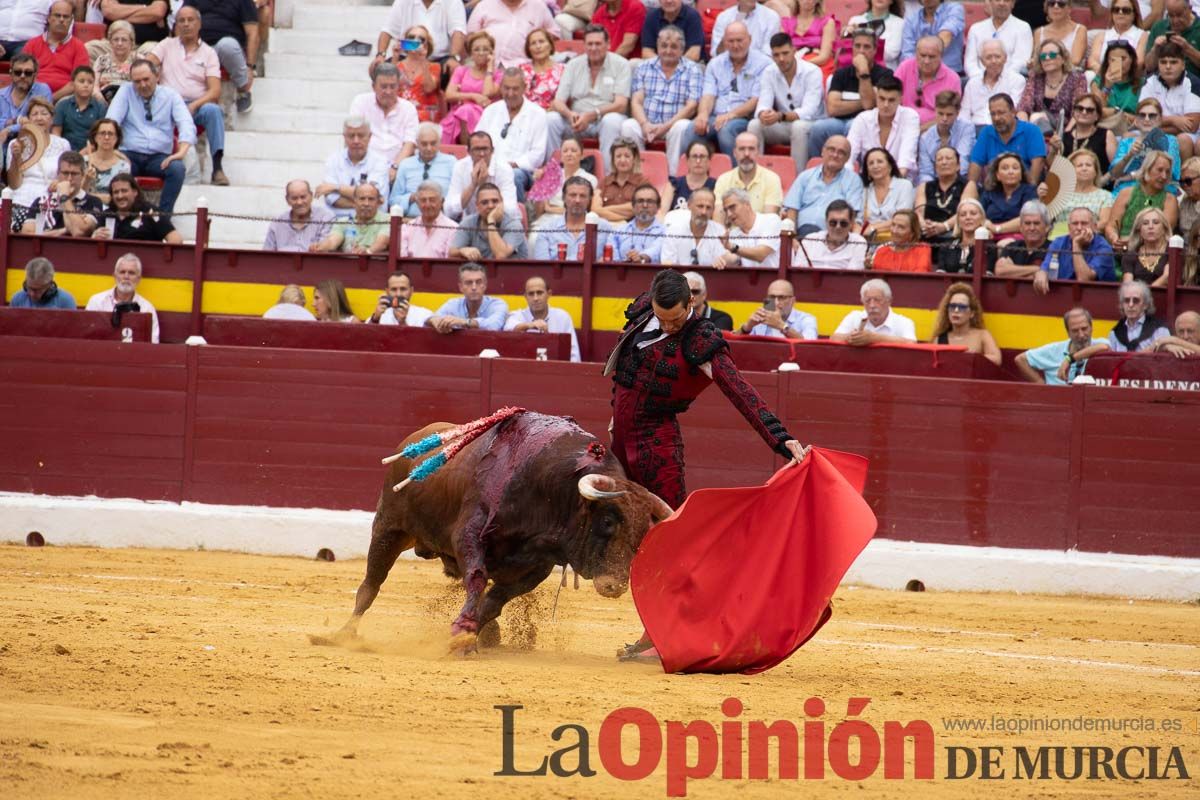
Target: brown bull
[(532, 492)]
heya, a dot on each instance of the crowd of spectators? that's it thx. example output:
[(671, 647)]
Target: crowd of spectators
[(924, 135)]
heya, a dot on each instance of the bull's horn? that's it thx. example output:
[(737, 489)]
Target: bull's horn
[(596, 487)]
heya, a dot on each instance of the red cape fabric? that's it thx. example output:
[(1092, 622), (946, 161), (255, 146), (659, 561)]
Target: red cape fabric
[(736, 580)]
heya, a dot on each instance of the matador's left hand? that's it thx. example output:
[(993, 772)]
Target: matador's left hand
[(798, 451)]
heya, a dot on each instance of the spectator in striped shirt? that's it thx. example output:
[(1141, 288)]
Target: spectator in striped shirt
[(666, 93)]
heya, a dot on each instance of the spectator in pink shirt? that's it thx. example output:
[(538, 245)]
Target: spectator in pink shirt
[(623, 19), (509, 22), (924, 76), (429, 235), (393, 120), (190, 67)]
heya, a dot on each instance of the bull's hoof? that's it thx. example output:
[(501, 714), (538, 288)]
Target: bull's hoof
[(464, 643), (338, 638), (489, 635)]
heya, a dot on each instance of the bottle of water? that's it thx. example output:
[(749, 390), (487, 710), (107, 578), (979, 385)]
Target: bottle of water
[(351, 237), (1054, 267)]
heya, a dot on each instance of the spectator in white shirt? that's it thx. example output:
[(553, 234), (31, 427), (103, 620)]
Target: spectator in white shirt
[(393, 119), (889, 125), (836, 247), (778, 315), (128, 274), (996, 78), (694, 238), (539, 317), (790, 100), (290, 306), (1015, 34), (1172, 89), (760, 20), (480, 166), (518, 130), (395, 304), (877, 322), (752, 239)]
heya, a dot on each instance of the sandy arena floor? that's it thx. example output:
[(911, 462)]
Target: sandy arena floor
[(151, 674)]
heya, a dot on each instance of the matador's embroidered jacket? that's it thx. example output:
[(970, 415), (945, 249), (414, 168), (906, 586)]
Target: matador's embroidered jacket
[(654, 383)]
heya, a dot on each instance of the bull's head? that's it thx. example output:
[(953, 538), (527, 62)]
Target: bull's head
[(617, 514)]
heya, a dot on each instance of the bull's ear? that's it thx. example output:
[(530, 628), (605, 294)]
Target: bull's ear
[(659, 509)]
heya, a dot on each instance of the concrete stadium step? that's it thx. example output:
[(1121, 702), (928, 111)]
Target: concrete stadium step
[(296, 146), (267, 119), (320, 43), (317, 68), (255, 172), (297, 94), (323, 18)]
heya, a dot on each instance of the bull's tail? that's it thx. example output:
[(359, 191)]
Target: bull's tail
[(451, 440)]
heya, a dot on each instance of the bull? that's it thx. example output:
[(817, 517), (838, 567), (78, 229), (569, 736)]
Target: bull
[(532, 492)]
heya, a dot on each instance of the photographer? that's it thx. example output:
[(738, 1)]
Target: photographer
[(123, 296), (395, 305)]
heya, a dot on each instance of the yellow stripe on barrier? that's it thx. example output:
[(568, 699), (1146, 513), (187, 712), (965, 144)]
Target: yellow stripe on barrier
[(166, 294)]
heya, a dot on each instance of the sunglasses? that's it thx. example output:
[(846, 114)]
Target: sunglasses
[(733, 85), (1048, 56), (838, 223), (697, 292), (1186, 181), (425, 176), (1131, 301), (149, 111), (1147, 115), (1124, 10), (695, 261), (958, 307), (504, 130), (1056, 3), (23, 73), (1086, 109)]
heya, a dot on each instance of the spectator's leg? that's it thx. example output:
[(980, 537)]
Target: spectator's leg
[(137, 162), (172, 182), (1186, 146), (729, 133), (569, 23), (631, 130), (209, 115), (555, 129), (523, 179), (11, 48), (799, 132), (679, 133), (233, 60), (822, 130), (609, 130)]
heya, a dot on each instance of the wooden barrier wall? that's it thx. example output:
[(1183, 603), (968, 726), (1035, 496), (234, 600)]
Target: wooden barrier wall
[(953, 461), (188, 282)]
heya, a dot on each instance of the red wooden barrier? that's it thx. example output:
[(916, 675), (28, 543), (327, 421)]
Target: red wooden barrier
[(957, 461), (253, 332), (931, 360), (63, 324)]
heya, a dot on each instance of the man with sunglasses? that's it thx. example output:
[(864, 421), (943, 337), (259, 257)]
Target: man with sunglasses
[(14, 98), (1171, 88), (791, 100), (1138, 329), (429, 164), (518, 129), (40, 290), (149, 116), (835, 247), (66, 209), (58, 53), (1015, 34), (696, 239), (700, 305)]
